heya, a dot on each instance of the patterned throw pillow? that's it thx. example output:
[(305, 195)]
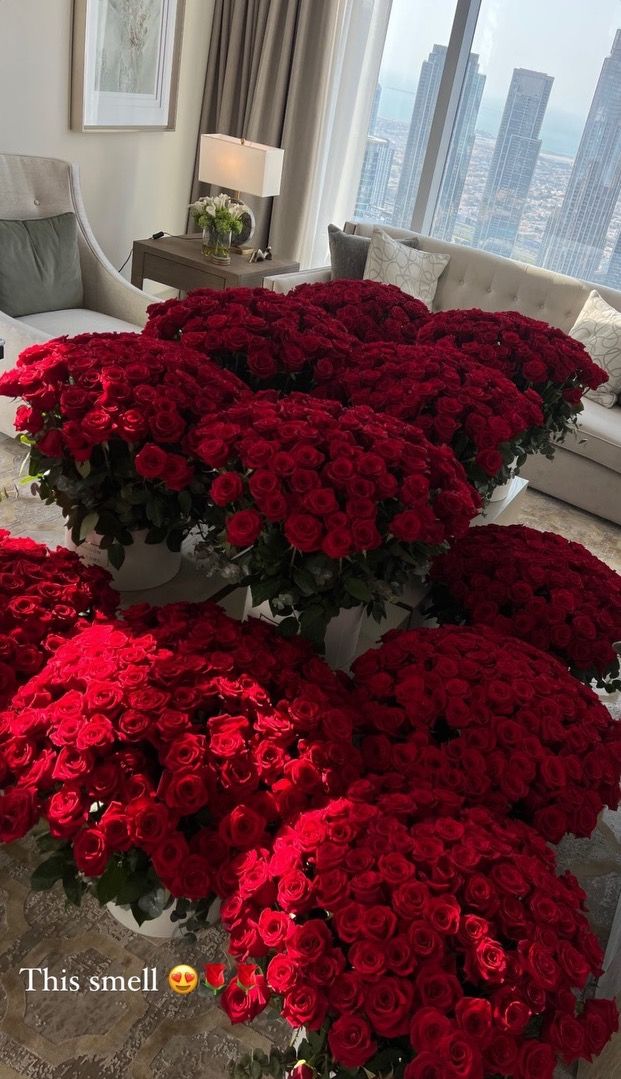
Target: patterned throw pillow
[(598, 327), (414, 272)]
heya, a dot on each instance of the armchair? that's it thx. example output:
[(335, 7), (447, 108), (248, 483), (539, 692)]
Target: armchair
[(33, 187)]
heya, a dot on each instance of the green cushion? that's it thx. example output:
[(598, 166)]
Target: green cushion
[(348, 253), (39, 265)]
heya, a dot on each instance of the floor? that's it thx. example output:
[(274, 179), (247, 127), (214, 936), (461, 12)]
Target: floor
[(157, 1035)]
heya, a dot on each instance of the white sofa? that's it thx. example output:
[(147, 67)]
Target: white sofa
[(586, 469), (33, 187)]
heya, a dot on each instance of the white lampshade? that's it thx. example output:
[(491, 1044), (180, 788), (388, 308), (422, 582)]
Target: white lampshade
[(250, 167)]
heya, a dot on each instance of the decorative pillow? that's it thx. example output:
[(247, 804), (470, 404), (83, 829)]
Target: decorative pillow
[(39, 265), (348, 253), (598, 327), (414, 272)]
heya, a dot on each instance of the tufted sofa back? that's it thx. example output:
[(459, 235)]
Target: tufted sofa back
[(477, 279)]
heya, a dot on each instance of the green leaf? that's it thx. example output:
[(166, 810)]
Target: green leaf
[(83, 467), (155, 535), (116, 555), (313, 624), (74, 888), (266, 589), (88, 524), (358, 589), (305, 581), (184, 498), (130, 890), (47, 873), (289, 627), (111, 881)]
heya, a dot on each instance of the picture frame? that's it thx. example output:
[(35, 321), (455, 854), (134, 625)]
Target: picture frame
[(125, 58)]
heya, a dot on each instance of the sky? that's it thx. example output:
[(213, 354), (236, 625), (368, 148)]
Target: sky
[(564, 38)]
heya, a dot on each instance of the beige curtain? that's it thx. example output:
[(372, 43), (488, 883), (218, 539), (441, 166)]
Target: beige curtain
[(255, 53)]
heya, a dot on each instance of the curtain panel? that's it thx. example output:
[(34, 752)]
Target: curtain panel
[(298, 74)]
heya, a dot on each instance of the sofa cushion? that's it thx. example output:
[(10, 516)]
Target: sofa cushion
[(598, 436), (74, 320), (348, 254), (415, 272), (40, 265), (598, 327)]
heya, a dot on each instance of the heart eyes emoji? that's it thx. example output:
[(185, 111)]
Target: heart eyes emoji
[(183, 979)]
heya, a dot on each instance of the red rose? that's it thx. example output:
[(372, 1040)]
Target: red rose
[(304, 1006), (66, 811), (282, 973), (536, 1061), (388, 1005), (242, 1006), (150, 461), (91, 852), (214, 975), (308, 942), (148, 822), (242, 827), (243, 528), (601, 1020), (17, 813), (177, 472), (303, 532), (226, 488), (351, 1042)]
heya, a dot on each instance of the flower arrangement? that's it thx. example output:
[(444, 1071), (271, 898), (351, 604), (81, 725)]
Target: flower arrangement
[(220, 212), (328, 506), (491, 720), (269, 340), (108, 419), (155, 749), (532, 354), (439, 949), (45, 596), (537, 586), (452, 399), (368, 310)]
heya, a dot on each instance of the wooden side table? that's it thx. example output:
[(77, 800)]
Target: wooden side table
[(177, 261)]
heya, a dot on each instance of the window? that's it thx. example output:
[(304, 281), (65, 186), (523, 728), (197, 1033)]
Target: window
[(403, 107), (529, 162)]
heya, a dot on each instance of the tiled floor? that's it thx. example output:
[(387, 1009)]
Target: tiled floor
[(157, 1035)]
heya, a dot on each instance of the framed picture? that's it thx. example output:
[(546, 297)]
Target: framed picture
[(125, 64)]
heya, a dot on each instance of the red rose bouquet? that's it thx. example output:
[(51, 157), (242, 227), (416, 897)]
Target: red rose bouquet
[(45, 596), (326, 502), (107, 419), (491, 719), (532, 354), (440, 949), (270, 340), (368, 310), (154, 748), (537, 586), (455, 401)]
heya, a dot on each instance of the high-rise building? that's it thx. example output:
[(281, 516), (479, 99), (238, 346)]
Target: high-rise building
[(377, 97), (513, 162), (460, 152), (575, 235), (418, 135), (374, 178), (612, 275)]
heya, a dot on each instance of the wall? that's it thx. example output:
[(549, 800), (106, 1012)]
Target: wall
[(133, 183)]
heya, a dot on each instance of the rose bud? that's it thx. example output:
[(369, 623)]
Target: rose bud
[(214, 976)]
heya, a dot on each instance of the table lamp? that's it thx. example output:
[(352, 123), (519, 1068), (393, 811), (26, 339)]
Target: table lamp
[(241, 166)]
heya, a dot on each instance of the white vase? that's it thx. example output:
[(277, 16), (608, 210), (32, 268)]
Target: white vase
[(341, 641), (146, 565), (502, 491), (161, 927)]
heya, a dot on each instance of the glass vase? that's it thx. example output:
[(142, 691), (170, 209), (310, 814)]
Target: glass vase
[(216, 244)]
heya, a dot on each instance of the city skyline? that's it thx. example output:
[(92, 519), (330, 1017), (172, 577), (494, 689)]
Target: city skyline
[(574, 239), (548, 186)]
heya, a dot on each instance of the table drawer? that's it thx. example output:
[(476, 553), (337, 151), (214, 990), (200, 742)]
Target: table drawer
[(178, 276)]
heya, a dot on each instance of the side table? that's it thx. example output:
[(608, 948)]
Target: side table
[(177, 261)]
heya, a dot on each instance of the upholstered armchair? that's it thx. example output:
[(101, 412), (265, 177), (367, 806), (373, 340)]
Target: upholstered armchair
[(38, 187)]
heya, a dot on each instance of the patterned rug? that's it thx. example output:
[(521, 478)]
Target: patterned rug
[(157, 1035)]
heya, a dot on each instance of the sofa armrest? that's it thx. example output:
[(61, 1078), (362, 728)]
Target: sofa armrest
[(284, 282), (107, 291)]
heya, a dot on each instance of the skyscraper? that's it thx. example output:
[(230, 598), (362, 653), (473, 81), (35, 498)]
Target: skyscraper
[(513, 161), (377, 97), (461, 144), (374, 178), (575, 235)]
